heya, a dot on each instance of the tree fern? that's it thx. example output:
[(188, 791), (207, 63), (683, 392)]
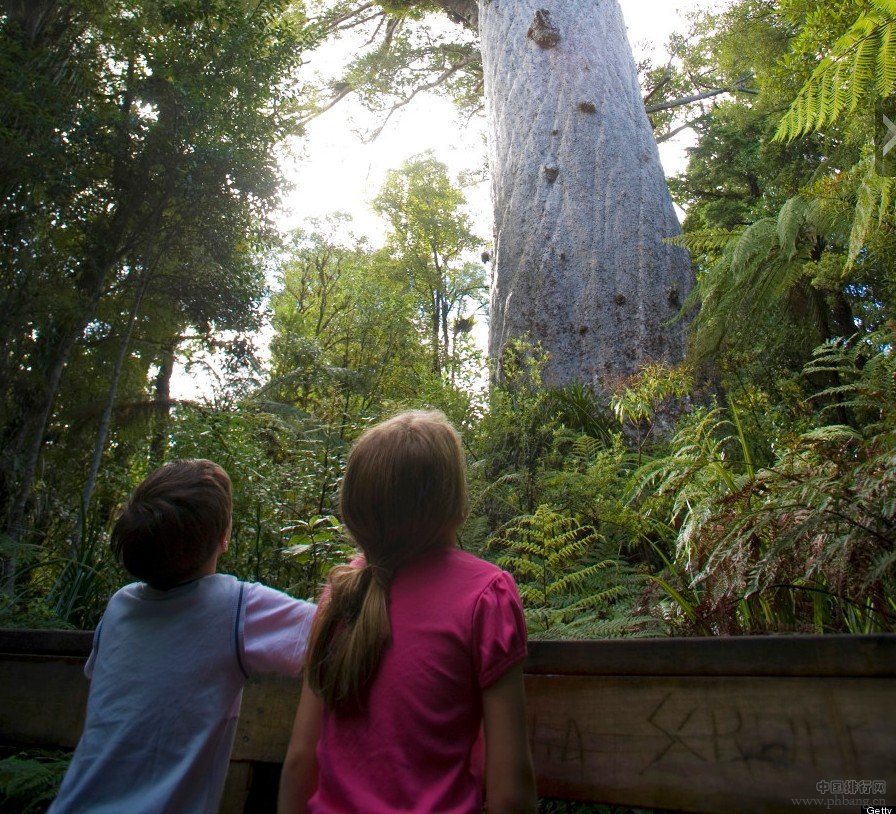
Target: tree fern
[(704, 241), (755, 272), (860, 66), (792, 218), (28, 782), (865, 369), (874, 199), (568, 579)]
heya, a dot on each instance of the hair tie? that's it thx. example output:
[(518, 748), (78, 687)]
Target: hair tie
[(380, 575)]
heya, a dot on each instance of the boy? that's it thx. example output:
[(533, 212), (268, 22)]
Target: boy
[(172, 653)]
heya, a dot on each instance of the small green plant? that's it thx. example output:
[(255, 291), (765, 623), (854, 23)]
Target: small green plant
[(316, 544), (29, 780), (569, 583), (60, 590)]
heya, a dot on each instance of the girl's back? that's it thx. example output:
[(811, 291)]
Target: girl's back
[(457, 626), (413, 648)]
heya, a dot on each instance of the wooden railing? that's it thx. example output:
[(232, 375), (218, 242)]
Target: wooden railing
[(752, 724)]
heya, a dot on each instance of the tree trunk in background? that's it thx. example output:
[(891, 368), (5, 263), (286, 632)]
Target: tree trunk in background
[(99, 444), (580, 198), (162, 414)]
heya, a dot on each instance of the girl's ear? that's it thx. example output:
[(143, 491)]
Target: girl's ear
[(225, 544)]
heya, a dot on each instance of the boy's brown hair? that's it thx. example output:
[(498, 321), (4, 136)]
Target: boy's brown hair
[(173, 522)]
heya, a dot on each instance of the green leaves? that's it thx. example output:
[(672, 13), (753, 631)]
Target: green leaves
[(29, 782), (428, 238), (859, 68), (567, 581)]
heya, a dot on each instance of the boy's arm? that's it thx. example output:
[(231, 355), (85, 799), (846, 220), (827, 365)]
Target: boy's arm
[(299, 778), (275, 631), (509, 776)]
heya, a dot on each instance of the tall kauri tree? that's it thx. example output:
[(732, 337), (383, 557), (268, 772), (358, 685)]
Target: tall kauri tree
[(580, 201), (581, 204)]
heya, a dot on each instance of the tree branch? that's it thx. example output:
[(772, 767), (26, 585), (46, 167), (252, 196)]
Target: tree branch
[(667, 77), (677, 130), (696, 97), (465, 12), (344, 90), (440, 79)]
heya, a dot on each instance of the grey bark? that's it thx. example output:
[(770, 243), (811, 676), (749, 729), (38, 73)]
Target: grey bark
[(580, 199)]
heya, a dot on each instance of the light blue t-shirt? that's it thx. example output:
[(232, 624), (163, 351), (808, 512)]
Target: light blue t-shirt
[(167, 673)]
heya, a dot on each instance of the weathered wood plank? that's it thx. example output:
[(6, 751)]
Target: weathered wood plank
[(46, 642), (43, 700), (703, 725), (740, 655), (712, 744), (269, 707), (714, 656)]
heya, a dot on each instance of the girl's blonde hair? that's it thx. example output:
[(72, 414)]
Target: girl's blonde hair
[(404, 493)]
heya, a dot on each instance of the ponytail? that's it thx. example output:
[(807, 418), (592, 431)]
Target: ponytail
[(404, 493), (348, 637)]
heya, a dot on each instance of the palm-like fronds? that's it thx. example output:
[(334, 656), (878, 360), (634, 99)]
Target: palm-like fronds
[(860, 66), (753, 274), (568, 580), (874, 201), (865, 369)]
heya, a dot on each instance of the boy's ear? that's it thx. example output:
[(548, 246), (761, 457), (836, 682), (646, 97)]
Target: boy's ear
[(225, 544)]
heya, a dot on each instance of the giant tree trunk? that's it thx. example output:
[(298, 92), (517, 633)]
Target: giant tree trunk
[(580, 199)]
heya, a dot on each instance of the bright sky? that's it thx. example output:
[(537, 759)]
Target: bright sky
[(333, 169)]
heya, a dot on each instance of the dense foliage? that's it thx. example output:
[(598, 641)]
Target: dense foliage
[(751, 490)]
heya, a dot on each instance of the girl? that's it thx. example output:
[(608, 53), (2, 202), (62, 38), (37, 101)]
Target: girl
[(416, 644)]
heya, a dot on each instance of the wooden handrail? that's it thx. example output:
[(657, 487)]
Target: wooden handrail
[(835, 655), (751, 724)]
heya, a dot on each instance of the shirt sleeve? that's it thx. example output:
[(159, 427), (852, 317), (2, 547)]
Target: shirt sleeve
[(499, 630), (275, 631)]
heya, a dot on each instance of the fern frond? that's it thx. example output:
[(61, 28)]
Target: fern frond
[(886, 61), (704, 241), (563, 568), (31, 781), (885, 6), (832, 432), (861, 64), (864, 73), (791, 219), (577, 579), (887, 185), (756, 243), (873, 200)]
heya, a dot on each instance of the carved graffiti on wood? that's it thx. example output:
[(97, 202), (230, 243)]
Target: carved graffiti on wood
[(672, 729)]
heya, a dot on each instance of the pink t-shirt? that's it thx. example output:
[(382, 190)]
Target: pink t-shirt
[(457, 627)]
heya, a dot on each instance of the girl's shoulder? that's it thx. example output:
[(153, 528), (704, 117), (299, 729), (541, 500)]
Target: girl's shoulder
[(465, 561), (457, 571)]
